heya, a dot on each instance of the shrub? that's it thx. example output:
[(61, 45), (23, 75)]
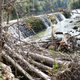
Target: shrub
[(36, 24), (66, 14)]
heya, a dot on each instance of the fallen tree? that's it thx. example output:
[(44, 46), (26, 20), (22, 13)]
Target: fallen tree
[(17, 65), (38, 72), (47, 60), (39, 65), (71, 73)]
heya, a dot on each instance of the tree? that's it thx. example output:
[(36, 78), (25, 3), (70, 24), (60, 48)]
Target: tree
[(1, 17), (8, 7), (74, 4)]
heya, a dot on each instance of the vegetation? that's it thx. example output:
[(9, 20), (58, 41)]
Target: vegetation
[(74, 4), (32, 57), (66, 14), (36, 24), (43, 6)]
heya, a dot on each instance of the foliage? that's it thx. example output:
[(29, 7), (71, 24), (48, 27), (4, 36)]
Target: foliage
[(14, 55), (42, 61), (42, 6), (75, 4), (66, 14), (36, 24), (49, 72), (13, 14), (51, 47), (55, 65)]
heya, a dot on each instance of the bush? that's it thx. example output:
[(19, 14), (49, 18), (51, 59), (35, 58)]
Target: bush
[(36, 24), (66, 14)]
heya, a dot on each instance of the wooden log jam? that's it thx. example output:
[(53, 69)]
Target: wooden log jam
[(38, 72), (17, 65), (47, 60), (39, 65), (68, 43)]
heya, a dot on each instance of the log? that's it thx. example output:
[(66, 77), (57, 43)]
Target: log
[(47, 60), (68, 43), (38, 72), (6, 70), (64, 75), (17, 65), (39, 65)]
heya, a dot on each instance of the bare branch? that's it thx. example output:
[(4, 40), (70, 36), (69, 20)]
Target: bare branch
[(21, 2), (8, 4)]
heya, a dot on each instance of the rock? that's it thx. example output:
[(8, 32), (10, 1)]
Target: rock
[(59, 33), (75, 27), (71, 21)]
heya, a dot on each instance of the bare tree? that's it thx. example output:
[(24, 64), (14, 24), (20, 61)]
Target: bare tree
[(1, 18)]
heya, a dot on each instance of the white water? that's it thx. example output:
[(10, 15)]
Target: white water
[(45, 20), (63, 25)]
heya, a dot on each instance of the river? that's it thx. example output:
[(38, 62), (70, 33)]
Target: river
[(61, 27)]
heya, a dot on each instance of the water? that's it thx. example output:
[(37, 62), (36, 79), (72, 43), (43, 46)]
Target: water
[(45, 20), (62, 25)]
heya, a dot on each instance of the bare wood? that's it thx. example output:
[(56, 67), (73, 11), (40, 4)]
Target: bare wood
[(21, 2), (1, 17), (17, 65), (40, 73), (39, 65), (7, 70), (47, 60)]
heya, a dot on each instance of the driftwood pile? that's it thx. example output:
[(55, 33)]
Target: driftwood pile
[(66, 44), (32, 65), (6, 72), (72, 72), (36, 62)]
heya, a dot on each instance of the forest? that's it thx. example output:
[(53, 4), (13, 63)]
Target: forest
[(45, 6)]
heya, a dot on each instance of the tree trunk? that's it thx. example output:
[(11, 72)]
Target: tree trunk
[(17, 66), (37, 71), (1, 17), (39, 65), (47, 60)]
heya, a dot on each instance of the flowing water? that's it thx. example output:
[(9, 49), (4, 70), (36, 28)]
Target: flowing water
[(62, 25)]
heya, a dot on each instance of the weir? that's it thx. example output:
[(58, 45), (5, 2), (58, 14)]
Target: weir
[(62, 24)]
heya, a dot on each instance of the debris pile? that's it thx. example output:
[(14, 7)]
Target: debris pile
[(67, 43), (71, 73), (6, 72)]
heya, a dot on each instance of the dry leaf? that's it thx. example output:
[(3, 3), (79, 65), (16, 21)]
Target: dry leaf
[(9, 7), (29, 27), (26, 26), (7, 34), (6, 25), (22, 13)]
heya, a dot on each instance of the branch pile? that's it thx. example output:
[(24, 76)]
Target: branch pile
[(71, 73), (67, 43)]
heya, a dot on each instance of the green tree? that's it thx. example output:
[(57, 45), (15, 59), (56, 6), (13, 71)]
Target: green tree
[(74, 4)]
